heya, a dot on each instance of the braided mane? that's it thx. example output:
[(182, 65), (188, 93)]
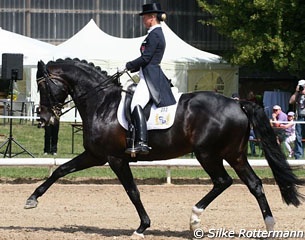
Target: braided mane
[(97, 72)]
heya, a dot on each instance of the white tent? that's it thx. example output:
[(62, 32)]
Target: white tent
[(33, 50), (189, 68)]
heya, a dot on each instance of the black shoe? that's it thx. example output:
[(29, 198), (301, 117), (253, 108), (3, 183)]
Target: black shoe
[(140, 148)]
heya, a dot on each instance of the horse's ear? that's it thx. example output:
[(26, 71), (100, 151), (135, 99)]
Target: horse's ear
[(40, 64), (40, 69)]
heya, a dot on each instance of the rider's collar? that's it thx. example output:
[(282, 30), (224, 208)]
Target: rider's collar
[(153, 27)]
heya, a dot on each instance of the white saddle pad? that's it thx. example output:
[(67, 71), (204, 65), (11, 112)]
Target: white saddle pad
[(160, 118)]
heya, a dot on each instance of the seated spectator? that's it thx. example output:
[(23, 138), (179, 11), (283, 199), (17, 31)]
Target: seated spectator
[(278, 117), (290, 133)]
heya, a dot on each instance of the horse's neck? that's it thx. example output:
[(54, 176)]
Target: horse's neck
[(97, 104)]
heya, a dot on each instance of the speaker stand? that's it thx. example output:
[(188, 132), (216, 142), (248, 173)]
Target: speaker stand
[(10, 140)]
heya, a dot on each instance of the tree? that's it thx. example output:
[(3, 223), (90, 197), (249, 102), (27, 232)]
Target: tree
[(267, 34)]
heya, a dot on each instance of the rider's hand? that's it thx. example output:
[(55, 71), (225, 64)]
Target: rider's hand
[(122, 69)]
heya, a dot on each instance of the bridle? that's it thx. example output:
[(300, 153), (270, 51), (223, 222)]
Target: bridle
[(57, 106)]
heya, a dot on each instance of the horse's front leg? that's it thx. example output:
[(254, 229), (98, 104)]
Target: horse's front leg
[(122, 170), (78, 163)]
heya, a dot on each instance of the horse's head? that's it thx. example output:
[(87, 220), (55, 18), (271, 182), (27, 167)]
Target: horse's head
[(82, 80), (53, 92)]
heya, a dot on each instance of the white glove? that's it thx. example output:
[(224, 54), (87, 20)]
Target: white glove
[(121, 69)]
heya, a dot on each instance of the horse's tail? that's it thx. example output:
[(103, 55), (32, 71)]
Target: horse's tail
[(285, 178)]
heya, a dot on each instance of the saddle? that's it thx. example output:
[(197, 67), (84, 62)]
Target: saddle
[(157, 118)]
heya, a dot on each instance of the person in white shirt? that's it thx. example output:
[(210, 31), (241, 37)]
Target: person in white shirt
[(290, 133)]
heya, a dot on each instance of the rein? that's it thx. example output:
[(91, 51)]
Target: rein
[(56, 105)]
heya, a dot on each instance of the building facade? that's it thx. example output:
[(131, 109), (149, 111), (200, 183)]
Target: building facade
[(55, 21)]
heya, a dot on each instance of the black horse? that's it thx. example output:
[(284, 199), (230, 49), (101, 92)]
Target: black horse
[(208, 124)]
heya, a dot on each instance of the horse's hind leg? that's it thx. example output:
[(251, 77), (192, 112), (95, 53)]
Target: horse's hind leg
[(122, 170), (221, 181), (78, 163), (254, 184)]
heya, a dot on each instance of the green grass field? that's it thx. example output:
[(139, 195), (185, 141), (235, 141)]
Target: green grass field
[(138, 172), (31, 137)]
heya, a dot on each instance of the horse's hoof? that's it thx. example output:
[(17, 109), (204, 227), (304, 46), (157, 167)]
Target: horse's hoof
[(269, 221), (30, 203), (195, 225), (136, 236)]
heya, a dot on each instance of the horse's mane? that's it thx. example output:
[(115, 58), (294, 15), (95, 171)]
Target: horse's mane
[(96, 71)]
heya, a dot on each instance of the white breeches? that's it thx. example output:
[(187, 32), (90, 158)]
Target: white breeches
[(288, 141), (141, 95)]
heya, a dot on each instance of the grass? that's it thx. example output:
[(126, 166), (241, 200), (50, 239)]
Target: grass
[(31, 137), (138, 172)]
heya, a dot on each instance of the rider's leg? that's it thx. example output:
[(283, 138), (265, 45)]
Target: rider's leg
[(140, 98), (141, 130), (141, 95)]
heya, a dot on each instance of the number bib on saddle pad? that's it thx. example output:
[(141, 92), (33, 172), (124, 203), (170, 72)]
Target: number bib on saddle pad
[(160, 118)]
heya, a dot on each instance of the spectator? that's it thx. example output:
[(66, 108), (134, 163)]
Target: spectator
[(252, 143), (51, 138), (298, 98), (278, 117), (290, 133), (251, 97)]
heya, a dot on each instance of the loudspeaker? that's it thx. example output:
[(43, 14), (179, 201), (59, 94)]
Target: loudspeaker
[(12, 66)]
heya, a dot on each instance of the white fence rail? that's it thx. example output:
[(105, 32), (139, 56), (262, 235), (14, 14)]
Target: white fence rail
[(178, 162)]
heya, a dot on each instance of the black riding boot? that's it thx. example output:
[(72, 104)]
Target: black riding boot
[(139, 122)]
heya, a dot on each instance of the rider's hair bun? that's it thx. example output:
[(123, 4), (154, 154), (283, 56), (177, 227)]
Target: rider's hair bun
[(161, 17)]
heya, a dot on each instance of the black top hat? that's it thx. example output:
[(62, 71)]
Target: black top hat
[(151, 8)]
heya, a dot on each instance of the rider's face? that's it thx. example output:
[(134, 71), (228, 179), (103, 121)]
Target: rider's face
[(148, 20)]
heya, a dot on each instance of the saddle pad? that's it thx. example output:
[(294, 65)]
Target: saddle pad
[(160, 118)]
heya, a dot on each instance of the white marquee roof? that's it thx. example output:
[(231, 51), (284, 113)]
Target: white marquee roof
[(32, 49), (93, 43)]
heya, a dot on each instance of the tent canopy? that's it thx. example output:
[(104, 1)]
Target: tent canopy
[(33, 50), (100, 45), (189, 68)]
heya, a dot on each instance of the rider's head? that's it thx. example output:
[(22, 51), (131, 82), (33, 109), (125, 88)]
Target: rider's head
[(152, 14)]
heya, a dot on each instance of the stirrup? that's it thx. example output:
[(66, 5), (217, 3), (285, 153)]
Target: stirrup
[(140, 148)]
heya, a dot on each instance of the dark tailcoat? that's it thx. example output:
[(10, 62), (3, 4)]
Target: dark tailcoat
[(152, 50)]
